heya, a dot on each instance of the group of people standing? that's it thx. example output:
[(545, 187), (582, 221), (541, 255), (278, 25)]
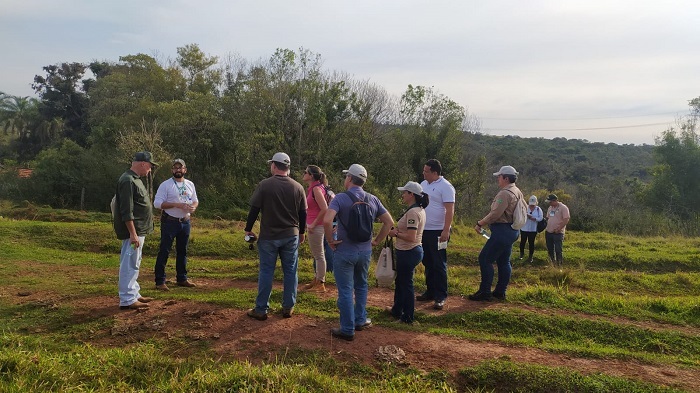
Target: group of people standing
[(288, 212)]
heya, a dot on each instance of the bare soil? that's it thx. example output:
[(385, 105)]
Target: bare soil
[(233, 335)]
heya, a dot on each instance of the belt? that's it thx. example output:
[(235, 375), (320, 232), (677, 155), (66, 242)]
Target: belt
[(168, 217)]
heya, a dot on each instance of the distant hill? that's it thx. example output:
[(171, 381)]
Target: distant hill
[(552, 163)]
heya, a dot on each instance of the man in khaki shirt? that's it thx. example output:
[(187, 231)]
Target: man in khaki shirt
[(498, 248), (557, 218)]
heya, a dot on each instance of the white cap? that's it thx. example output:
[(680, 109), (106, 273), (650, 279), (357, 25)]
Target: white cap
[(506, 170), (533, 200), (357, 170), (412, 187), (280, 157)]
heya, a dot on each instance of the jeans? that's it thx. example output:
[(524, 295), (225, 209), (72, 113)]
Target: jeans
[(180, 232), (129, 264), (404, 297), (435, 262), (288, 251), (497, 249), (555, 243), (350, 271)]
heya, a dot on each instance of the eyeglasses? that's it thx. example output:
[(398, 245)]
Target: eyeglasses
[(176, 167)]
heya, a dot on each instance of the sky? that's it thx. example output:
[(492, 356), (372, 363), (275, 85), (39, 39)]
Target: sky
[(612, 71)]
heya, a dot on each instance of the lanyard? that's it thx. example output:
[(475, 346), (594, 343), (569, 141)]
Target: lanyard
[(180, 190)]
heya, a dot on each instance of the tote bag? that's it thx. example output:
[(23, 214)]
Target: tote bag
[(385, 272)]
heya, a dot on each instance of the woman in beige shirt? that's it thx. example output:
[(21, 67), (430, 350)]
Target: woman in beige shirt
[(409, 251)]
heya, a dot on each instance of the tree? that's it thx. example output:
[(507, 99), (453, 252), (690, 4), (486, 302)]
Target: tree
[(674, 188)]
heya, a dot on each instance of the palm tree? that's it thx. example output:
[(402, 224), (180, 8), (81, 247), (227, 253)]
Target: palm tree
[(17, 114)]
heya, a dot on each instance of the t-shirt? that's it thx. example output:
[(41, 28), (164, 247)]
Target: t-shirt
[(172, 191), (313, 210), (133, 204), (556, 217), (413, 219), (440, 192), (280, 199), (341, 205)]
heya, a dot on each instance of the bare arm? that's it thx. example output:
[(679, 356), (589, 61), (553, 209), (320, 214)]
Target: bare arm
[(449, 215), (387, 223)]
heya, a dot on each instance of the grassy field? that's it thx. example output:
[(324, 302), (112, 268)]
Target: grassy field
[(618, 300)]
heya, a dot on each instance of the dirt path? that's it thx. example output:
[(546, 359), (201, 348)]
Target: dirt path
[(233, 335)]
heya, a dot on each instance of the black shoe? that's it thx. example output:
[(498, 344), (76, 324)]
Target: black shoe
[(424, 298), (481, 297), (366, 325), (521, 256), (335, 332), (439, 305), (287, 312), (499, 296), (260, 317)]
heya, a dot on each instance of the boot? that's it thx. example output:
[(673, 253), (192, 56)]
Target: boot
[(310, 285), (319, 286)]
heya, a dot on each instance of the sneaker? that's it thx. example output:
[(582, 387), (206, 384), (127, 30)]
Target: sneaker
[(287, 312), (439, 305), (424, 298), (366, 325), (137, 305), (260, 317), (529, 260), (162, 287), (337, 333), (498, 296), (521, 257), (481, 297), (186, 283)]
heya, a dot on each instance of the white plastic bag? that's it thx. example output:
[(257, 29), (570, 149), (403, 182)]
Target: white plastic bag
[(385, 272)]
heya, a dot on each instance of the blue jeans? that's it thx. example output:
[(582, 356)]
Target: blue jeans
[(288, 251), (404, 297), (435, 262), (350, 272), (179, 232), (497, 249), (555, 242)]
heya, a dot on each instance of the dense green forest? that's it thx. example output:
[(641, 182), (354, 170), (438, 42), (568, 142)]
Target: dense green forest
[(227, 116)]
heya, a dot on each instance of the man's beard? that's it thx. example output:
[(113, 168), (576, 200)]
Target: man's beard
[(178, 175)]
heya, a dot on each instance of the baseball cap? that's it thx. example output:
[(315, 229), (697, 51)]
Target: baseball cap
[(412, 187), (280, 157), (506, 170), (533, 200), (179, 161), (357, 170), (552, 197), (145, 156)]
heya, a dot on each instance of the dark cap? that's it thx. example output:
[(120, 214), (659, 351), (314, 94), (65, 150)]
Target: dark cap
[(145, 156), (552, 197)]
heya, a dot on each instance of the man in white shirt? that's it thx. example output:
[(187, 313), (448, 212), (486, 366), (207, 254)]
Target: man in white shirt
[(439, 214), (177, 198)]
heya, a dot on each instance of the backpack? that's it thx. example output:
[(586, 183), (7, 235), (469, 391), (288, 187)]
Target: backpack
[(360, 221), (329, 193), (113, 206), (519, 214)]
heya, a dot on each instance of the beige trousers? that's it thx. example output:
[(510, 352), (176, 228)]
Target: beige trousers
[(316, 244)]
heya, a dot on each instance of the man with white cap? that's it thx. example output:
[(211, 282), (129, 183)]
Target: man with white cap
[(177, 199), (282, 202), (353, 248), (498, 248), (439, 215)]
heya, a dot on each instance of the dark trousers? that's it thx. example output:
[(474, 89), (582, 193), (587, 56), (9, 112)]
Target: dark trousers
[(555, 242), (528, 237), (404, 296), (435, 262), (172, 230), (497, 249)]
